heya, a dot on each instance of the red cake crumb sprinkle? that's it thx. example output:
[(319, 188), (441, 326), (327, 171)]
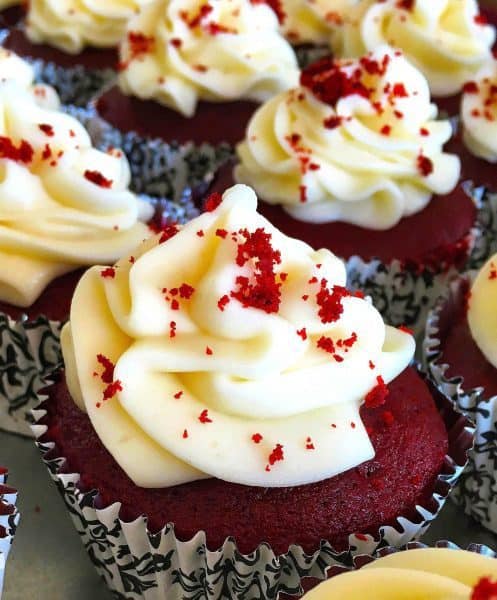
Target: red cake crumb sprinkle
[(313, 280), (309, 444), (109, 272), (169, 231), (257, 438), (399, 90), (275, 456), (186, 291), (208, 351), (140, 44), (185, 434), (47, 152), (176, 42), (302, 333), (481, 19), (112, 389), (276, 6), (332, 122), (196, 20), (108, 373), (387, 417), (23, 153), (178, 395), (98, 179), (47, 129), (493, 271), (470, 87), (172, 329), (399, 114), (352, 425), (406, 329), (222, 302), (424, 131), (263, 292), (222, 233), (200, 233), (485, 589), (386, 130), (377, 396), (283, 276), (305, 297), (330, 302), (333, 425), (213, 201), (204, 416), (302, 193), (424, 165)]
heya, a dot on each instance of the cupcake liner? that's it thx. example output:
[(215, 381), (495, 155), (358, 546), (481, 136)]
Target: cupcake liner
[(477, 488), (9, 519), (138, 565), (486, 242)]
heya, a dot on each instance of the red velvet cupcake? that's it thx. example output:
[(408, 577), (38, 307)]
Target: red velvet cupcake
[(9, 518), (461, 358), (74, 48), (168, 412), (192, 74), (353, 160)]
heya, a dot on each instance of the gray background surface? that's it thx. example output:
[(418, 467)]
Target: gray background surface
[(48, 561)]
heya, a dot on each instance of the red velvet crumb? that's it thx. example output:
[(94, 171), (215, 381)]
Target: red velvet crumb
[(377, 396)]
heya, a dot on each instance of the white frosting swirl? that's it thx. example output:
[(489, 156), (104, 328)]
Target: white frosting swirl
[(70, 25), (63, 204), (248, 371), (313, 21), (13, 68), (482, 310), (233, 52), (445, 39), (369, 158), (479, 113), (434, 573)]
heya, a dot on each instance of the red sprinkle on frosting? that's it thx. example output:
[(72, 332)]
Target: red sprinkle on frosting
[(222, 302), (424, 165), (378, 395), (23, 153), (208, 351), (204, 416), (275, 456), (109, 272), (178, 395), (257, 438), (47, 129), (98, 179), (302, 333), (485, 589), (330, 302)]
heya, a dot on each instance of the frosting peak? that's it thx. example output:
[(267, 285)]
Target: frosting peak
[(447, 40), (482, 310), (357, 142), (252, 356), (179, 53)]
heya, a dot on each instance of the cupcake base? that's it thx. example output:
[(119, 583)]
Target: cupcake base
[(138, 564), (464, 376)]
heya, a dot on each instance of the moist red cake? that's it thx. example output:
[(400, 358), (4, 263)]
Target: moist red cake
[(90, 58), (214, 122), (458, 348), (409, 436), (437, 236)]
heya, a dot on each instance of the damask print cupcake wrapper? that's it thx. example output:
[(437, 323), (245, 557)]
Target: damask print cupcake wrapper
[(137, 565), (477, 488), (8, 522), (486, 241)]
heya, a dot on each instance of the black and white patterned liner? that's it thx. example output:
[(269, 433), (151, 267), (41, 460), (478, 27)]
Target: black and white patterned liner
[(29, 353), (486, 243), (138, 565), (476, 491), (8, 525)]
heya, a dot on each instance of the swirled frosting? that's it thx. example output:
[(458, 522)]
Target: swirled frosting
[(179, 52), (13, 68), (73, 24), (313, 21), (434, 573), (479, 113), (230, 351), (357, 142), (63, 204), (482, 310), (447, 40)]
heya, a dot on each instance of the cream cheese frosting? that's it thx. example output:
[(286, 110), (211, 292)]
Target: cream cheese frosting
[(229, 350), (313, 21), (179, 52), (70, 25), (434, 573), (479, 113), (63, 204), (482, 310), (447, 39), (358, 142)]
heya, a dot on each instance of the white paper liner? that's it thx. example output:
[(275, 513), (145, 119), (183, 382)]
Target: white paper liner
[(9, 523), (477, 488), (138, 565)]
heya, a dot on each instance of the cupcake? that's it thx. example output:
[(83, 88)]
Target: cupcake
[(74, 44), (460, 354), (65, 206), (447, 40), (435, 573), (353, 160), (164, 434), (192, 74), (9, 518)]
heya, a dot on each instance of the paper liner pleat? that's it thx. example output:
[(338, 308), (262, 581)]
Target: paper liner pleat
[(8, 524)]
